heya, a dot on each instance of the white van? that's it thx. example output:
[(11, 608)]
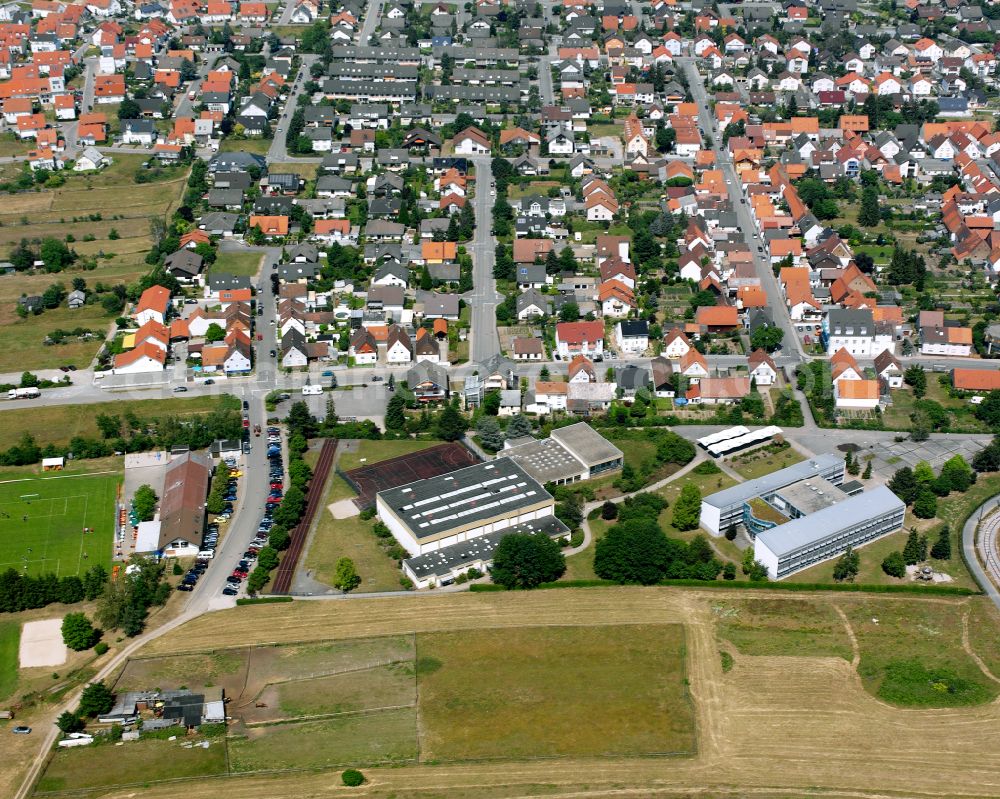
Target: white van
[(312, 390)]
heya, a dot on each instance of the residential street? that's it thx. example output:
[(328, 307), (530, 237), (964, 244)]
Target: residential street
[(278, 152), (485, 343), (734, 186)]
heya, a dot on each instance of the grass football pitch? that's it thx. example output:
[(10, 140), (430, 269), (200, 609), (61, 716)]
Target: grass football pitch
[(42, 521)]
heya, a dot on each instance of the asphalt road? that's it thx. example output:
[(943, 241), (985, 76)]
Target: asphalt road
[(483, 299), (278, 151), (372, 14)]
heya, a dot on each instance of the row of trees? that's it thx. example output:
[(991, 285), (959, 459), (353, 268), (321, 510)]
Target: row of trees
[(24, 592), (129, 433), (301, 426)]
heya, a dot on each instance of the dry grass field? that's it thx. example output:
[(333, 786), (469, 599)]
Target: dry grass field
[(540, 691), (792, 720)]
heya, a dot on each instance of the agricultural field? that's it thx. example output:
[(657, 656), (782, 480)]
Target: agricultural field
[(42, 521), (526, 699), (147, 761), (792, 626), (932, 669), (790, 666), (58, 424)]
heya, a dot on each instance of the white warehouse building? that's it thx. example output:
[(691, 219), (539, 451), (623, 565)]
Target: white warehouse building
[(427, 515)]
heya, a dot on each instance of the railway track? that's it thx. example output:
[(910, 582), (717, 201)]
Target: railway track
[(286, 569)]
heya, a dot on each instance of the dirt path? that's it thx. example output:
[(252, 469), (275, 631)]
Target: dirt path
[(971, 652), (855, 648)]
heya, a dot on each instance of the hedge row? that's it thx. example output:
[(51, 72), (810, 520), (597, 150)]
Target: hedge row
[(262, 600), (949, 590)]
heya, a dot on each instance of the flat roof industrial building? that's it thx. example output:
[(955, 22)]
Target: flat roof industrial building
[(427, 515), (725, 507), (442, 566), (847, 521), (570, 454)]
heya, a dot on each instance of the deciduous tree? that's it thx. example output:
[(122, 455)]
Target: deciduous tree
[(525, 560)]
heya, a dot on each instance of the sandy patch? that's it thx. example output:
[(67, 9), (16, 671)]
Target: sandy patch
[(42, 644), (344, 509)]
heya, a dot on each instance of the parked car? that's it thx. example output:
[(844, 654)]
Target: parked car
[(21, 730), (180, 389), (230, 591), (185, 587)]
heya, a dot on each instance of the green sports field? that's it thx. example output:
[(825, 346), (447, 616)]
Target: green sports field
[(42, 519)]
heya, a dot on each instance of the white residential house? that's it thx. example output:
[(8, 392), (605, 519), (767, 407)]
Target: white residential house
[(762, 368), (676, 345), (398, 348), (632, 337)]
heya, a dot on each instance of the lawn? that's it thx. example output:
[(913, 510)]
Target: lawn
[(351, 538), (369, 452), (58, 424), (388, 736), (581, 565), (798, 627), (42, 521), (554, 692), (912, 655), (237, 263), (255, 146), (137, 762), (764, 461), (962, 413), (10, 639), (606, 129)]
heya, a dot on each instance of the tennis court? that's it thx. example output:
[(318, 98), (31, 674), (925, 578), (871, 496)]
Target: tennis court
[(61, 524), (430, 462)]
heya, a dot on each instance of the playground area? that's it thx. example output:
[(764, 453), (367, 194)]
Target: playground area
[(440, 459), (57, 523)]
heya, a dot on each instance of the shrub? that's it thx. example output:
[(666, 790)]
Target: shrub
[(609, 511), (706, 467), (894, 565), (77, 632), (101, 648), (352, 778)]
